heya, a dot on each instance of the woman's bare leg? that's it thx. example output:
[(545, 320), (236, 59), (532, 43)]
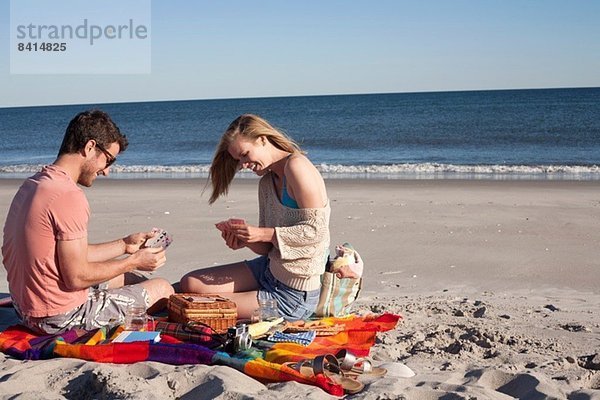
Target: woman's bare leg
[(246, 303), (229, 278), (234, 281)]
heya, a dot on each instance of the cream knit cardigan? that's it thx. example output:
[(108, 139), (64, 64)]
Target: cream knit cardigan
[(298, 257)]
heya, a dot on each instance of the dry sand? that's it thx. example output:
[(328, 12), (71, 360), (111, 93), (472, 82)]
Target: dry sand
[(499, 284)]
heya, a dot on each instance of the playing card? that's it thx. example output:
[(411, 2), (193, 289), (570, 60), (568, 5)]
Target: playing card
[(161, 239), (222, 226), (236, 222)]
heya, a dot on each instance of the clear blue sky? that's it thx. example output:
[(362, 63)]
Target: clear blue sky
[(210, 49)]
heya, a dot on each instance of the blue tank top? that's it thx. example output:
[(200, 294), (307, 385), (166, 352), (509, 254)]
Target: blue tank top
[(286, 200)]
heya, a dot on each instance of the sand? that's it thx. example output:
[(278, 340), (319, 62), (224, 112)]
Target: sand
[(498, 283)]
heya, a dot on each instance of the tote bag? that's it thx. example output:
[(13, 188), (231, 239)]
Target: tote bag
[(337, 294)]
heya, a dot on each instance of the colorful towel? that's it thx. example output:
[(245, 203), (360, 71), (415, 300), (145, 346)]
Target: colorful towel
[(358, 337)]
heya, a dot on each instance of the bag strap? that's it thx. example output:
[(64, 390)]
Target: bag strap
[(202, 328)]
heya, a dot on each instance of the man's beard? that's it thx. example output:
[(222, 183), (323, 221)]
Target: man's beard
[(88, 174)]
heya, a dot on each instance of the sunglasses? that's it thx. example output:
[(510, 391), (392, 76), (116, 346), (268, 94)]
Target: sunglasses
[(110, 159)]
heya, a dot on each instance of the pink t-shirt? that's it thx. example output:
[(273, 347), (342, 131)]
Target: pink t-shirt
[(48, 207)]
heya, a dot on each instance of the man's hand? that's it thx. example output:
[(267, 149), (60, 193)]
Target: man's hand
[(134, 242), (149, 259)]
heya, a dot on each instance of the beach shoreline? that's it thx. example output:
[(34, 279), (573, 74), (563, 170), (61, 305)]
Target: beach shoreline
[(435, 251)]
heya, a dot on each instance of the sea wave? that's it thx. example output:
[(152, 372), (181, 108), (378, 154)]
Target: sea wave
[(435, 168), (389, 171)]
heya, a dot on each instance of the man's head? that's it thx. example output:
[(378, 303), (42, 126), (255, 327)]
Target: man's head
[(94, 136), (91, 125)]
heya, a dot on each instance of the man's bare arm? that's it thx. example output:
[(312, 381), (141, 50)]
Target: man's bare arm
[(109, 250), (78, 273)]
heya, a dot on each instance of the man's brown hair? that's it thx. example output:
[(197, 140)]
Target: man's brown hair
[(92, 125)]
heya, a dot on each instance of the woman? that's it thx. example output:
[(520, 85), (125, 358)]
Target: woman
[(292, 237)]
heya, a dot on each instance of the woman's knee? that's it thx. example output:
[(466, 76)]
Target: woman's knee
[(191, 283), (229, 278)]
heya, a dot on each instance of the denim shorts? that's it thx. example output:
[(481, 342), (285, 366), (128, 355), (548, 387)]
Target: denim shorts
[(293, 304)]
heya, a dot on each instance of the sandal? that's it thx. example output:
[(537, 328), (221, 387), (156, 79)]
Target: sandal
[(329, 366), (353, 366)]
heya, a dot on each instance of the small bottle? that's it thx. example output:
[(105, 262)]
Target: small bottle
[(135, 318), (268, 309)]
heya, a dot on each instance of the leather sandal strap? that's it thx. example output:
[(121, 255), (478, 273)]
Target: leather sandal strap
[(326, 362), (350, 363), (346, 359), (362, 366), (299, 364)]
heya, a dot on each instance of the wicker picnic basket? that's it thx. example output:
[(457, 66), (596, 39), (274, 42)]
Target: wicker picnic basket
[(213, 310)]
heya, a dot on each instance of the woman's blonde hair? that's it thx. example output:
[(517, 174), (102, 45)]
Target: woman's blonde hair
[(249, 127)]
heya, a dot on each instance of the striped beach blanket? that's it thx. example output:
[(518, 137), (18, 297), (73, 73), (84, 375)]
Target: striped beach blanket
[(358, 336)]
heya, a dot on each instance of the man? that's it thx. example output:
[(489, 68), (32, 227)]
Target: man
[(57, 280)]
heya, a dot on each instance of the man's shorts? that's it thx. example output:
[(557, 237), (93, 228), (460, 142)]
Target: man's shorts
[(103, 307), (293, 304)]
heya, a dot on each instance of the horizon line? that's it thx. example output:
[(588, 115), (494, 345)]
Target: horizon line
[(300, 95)]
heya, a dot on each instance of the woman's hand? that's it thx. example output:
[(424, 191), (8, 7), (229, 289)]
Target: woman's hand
[(231, 240), (253, 234)]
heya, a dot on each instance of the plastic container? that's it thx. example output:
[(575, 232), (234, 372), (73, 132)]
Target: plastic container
[(136, 318)]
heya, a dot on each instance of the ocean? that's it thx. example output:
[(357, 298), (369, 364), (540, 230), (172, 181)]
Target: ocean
[(499, 134)]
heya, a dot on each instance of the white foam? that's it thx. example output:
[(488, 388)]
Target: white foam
[(387, 171), (435, 168)]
